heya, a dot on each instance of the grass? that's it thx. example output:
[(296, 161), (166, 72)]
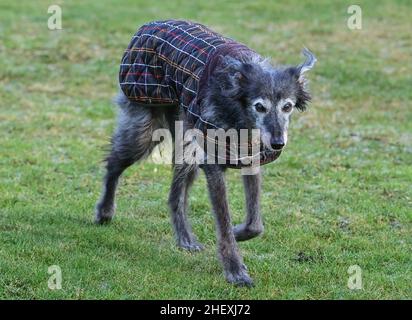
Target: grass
[(340, 194)]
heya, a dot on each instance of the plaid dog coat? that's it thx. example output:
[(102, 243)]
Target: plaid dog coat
[(170, 62)]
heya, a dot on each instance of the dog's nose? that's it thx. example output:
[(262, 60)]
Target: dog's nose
[(277, 144)]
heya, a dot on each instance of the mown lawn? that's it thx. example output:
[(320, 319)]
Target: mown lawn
[(339, 195)]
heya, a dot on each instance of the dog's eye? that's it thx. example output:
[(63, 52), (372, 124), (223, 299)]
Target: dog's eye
[(260, 107), (287, 107)]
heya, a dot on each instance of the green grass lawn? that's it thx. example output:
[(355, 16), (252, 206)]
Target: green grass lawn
[(339, 195)]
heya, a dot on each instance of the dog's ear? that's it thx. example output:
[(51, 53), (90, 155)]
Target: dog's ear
[(230, 75), (298, 72), (308, 64)]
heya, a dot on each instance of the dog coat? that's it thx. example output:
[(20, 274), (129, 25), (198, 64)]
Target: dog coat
[(170, 62)]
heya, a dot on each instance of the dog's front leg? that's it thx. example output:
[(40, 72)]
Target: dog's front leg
[(234, 268), (253, 225)]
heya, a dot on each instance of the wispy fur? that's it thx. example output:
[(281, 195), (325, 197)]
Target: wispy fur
[(230, 102)]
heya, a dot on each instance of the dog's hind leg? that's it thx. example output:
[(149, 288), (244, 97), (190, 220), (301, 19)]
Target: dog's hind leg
[(234, 268), (253, 225), (132, 141), (183, 177), (105, 208)]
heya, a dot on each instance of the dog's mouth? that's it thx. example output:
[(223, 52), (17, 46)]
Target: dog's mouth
[(268, 155), (266, 149), (243, 155)]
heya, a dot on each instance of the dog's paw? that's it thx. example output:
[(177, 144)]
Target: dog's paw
[(102, 219), (103, 215), (240, 278), (243, 232), (190, 245)]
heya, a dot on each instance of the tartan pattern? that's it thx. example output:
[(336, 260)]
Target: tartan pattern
[(165, 60), (171, 61)]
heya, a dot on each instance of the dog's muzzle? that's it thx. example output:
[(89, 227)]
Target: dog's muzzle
[(261, 158), (238, 158)]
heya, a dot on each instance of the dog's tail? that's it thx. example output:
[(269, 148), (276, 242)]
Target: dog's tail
[(140, 127)]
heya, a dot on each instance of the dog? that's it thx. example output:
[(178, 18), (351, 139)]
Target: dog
[(183, 71)]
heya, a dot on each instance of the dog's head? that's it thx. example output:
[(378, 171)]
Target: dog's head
[(255, 95)]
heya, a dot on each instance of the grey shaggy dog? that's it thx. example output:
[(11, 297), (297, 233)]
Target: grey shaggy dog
[(243, 92)]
